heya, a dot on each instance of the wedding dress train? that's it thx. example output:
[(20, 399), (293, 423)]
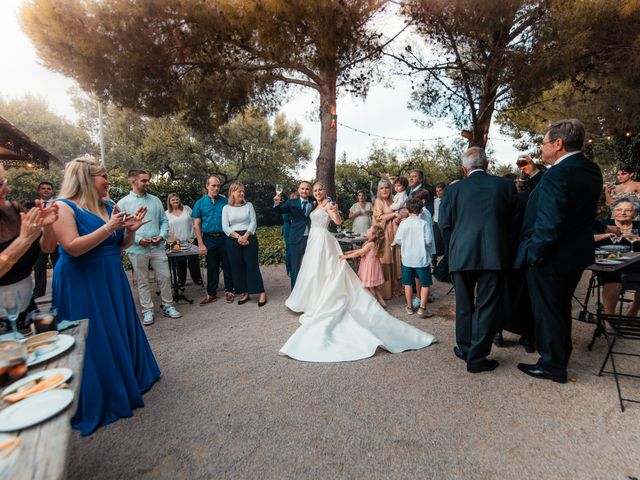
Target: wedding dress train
[(341, 320)]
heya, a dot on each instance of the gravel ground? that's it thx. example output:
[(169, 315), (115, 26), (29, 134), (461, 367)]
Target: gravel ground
[(228, 406)]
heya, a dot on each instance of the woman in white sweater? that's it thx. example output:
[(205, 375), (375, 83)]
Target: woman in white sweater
[(239, 224), (181, 229)]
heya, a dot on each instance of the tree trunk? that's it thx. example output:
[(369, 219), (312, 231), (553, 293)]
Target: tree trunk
[(326, 161)]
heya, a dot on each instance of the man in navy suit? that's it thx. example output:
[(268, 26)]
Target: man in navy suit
[(298, 210), (476, 219), (557, 243)]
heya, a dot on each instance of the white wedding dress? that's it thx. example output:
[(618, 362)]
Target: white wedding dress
[(342, 321)]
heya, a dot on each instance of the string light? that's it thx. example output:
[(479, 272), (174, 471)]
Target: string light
[(384, 137)]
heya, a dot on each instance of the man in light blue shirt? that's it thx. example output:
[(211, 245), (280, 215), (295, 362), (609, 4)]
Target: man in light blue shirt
[(148, 246)]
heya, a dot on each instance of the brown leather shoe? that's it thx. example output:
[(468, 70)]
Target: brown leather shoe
[(228, 296), (209, 299)]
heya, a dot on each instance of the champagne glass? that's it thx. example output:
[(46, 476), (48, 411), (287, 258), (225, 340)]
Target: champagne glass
[(278, 188), (11, 304)]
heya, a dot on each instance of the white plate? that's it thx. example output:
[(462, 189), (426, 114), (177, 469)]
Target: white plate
[(64, 343), (7, 463), (34, 410), (608, 261), (65, 372)]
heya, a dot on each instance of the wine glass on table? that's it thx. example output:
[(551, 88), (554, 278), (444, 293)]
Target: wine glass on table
[(11, 305)]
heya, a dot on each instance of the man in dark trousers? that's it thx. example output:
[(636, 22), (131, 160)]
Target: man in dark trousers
[(557, 243), (45, 195), (476, 218), (298, 210)]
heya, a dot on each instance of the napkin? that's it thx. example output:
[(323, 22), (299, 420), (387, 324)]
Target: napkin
[(66, 325)]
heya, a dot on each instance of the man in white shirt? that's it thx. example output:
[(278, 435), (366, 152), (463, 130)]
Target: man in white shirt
[(45, 196)]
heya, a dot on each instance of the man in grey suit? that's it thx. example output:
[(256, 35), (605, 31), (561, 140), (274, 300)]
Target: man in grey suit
[(476, 218)]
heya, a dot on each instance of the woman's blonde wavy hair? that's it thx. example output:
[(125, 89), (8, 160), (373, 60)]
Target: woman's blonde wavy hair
[(78, 186), (234, 187)]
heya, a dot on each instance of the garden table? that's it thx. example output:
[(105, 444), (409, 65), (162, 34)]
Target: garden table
[(43, 449), (172, 256)]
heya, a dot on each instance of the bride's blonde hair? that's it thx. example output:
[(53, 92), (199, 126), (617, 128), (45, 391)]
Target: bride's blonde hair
[(78, 186)]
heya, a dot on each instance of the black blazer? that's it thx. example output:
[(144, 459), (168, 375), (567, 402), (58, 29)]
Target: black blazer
[(477, 218), (557, 230), (298, 221)]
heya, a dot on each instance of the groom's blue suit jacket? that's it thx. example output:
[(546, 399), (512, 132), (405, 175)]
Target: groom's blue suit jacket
[(298, 220)]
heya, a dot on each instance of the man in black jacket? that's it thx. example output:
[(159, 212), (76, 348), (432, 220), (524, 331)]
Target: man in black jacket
[(557, 243), (298, 210), (476, 218)]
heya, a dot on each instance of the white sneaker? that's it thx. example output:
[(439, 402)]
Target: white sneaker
[(147, 318), (170, 311)]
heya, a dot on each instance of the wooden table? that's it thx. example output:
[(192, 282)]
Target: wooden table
[(43, 448)]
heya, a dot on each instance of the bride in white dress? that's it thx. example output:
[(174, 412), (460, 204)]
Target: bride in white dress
[(341, 320)]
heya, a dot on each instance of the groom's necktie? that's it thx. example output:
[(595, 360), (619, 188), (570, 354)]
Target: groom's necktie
[(304, 207)]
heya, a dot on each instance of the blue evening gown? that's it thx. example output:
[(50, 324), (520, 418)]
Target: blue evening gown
[(119, 365)]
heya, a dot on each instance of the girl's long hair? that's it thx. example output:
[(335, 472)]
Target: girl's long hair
[(78, 186), (378, 240)]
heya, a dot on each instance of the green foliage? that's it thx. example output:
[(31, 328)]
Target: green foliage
[(272, 248), (24, 182), (52, 132)]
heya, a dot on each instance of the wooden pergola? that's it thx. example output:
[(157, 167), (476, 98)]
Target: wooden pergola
[(17, 149)]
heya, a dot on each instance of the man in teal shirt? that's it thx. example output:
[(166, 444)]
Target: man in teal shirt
[(148, 247), (207, 215)]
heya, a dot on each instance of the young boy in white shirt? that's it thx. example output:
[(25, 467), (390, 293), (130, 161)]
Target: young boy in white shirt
[(415, 237)]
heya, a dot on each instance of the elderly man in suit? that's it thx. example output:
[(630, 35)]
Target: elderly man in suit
[(298, 210), (476, 218), (557, 243)]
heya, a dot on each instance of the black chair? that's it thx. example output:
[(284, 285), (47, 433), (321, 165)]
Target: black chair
[(626, 328)]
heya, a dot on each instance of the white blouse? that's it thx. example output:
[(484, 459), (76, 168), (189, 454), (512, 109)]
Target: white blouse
[(181, 225), (242, 217)]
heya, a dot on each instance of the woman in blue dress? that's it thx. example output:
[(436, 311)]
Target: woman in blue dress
[(89, 282)]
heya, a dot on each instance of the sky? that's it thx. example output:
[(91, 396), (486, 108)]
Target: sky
[(383, 112)]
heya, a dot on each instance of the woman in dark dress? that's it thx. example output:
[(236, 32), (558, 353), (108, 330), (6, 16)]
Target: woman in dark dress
[(624, 211), (89, 282), (23, 235)]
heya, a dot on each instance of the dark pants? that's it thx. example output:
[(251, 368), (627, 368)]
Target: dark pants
[(551, 294), (193, 262), (478, 297), (245, 265), (216, 256), (40, 272), (297, 252), (517, 312)]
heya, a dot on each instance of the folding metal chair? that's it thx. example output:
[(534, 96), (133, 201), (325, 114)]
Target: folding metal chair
[(626, 328)]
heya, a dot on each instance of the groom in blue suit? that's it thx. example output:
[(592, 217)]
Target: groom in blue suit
[(298, 210), (556, 243)]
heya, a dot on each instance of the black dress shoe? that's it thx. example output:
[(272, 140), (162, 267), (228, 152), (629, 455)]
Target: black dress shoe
[(498, 340), (458, 353), (245, 300), (262, 304), (485, 366), (536, 371), (528, 344)]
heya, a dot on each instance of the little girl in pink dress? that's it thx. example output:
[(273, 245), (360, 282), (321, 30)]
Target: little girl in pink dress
[(370, 271)]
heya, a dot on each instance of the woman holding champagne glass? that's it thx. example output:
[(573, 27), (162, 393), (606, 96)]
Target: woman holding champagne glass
[(626, 186)]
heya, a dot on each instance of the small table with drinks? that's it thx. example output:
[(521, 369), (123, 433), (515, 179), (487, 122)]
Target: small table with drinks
[(177, 250), (35, 411)]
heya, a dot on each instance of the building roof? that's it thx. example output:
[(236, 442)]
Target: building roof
[(17, 149)]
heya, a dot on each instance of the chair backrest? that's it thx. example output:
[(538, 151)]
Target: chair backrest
[(627, 327)]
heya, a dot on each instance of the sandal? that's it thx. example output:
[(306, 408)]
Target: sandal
[(228, 296)]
